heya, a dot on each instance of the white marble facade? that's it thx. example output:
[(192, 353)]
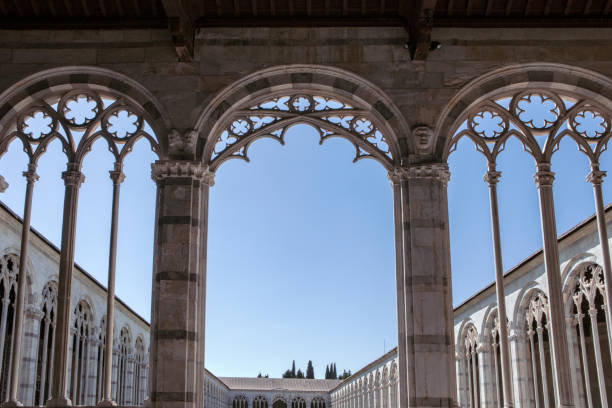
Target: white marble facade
[(86, 348)]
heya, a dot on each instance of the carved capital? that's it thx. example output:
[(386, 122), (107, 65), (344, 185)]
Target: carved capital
[(163, 169), (182, 144), (434, 171), (34, 313), (30, 175), (492, 177), (116, 176), (544, 177), (3, 185), (596, 176), (73, 178)]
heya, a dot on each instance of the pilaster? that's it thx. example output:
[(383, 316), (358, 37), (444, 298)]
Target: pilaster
[(179, 284), (428, 314)]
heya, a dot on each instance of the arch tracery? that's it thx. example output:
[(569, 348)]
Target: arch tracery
[(336, 102)]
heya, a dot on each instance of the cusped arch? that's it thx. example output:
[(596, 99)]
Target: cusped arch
[(551, 77), (246, 96), (67, 82)]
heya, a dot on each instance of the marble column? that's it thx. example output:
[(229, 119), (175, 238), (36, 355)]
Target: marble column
[(561, 371), (117, 178), (179, 283), (492, 178), (18, 323), (430, 358), (73, 178), (596, 177)]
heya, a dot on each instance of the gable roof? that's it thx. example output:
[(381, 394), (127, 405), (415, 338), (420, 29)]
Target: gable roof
[(279, 384)]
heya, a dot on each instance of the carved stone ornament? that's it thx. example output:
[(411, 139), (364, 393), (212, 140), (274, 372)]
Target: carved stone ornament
[(596, 176), (423, 136), (434, 171), (182, 144), (73, 178), (181, 168), (3, 185), (544, 177)]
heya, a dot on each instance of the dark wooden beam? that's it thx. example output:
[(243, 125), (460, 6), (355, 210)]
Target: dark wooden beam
[(381, 9), (218, 6), (297, 21), (419, 15), (181, 23), (59, 23), (488, 7), (608, 7), (524, 22)]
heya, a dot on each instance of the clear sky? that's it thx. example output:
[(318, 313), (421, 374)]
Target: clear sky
[(301, 254)]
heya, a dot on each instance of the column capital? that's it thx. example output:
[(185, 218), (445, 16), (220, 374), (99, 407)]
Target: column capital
[(73, 178), (30, 174), (33, 312), (117, 175), (434, 171), (543, 176), (163, 169), (596, 176), (492, 177)]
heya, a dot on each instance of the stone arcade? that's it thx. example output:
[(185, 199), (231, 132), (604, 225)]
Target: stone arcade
[(402, 80)]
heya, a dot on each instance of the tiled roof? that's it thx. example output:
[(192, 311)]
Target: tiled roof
[(288, 384)]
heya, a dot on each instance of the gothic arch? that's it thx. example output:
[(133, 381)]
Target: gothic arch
[(570, 273), (550, 77), (69, 81), (490, 312), (294, 81), (522, 301)]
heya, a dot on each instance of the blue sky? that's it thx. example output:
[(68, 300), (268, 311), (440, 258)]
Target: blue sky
[(301, 254)]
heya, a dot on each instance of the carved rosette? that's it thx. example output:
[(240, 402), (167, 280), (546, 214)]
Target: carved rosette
[(163, 169)]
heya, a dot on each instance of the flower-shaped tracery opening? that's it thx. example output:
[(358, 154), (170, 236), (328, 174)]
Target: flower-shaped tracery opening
[(271, 118), (488, 124), (78, 118), (36, 124), (122, 123), (80, 109), (537, 110), (590, 123)]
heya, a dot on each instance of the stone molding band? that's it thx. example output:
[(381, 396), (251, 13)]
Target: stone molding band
[(163, 169), (431, 171)]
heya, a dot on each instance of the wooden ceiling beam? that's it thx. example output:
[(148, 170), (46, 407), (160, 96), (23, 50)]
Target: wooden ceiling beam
[(182, 28), (418, 15)]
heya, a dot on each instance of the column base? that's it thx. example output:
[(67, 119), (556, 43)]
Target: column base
[(106, 403), (147, 403), (58, 402), (11, 404)]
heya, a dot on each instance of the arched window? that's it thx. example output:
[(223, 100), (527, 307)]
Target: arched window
[(298, 402), (384, 390), (123, 355), (278, 403), (536, 325), (317, 402), (139, 381), (81, 327), (46, 341), (260, 402), (9, 275), (470, 344), (100, 352), (588, 298), (240, 401)]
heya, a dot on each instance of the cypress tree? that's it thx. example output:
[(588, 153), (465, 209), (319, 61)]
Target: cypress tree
[(310, 370), (327, 372), (299, 374), (293, 369)]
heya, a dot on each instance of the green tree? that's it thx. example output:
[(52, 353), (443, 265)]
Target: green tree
[(310, 370), (327, 372), (287, 374), (299, 374), (345, 375), (293, 369)]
